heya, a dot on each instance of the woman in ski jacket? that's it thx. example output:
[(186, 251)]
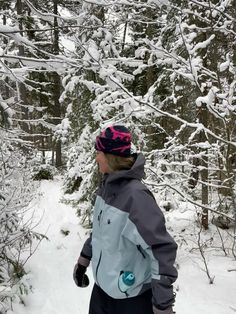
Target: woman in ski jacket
[(132, 253)]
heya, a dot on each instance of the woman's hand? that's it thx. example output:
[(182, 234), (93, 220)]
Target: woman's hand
[(169, 310), (79, 276)]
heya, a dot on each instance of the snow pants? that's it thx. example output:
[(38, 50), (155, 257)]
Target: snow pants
[(101, 303)]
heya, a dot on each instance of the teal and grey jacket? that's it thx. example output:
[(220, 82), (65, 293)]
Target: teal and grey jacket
[(129, 234)]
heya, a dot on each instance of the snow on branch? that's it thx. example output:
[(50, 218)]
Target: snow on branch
[(202, 45), (47, 17), (184, 196)]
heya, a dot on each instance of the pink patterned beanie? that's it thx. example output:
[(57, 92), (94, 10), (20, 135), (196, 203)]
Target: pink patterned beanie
[(115, 140)]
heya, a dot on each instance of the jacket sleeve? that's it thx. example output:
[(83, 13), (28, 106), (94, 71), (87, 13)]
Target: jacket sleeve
[(149, 224), (86, 251)]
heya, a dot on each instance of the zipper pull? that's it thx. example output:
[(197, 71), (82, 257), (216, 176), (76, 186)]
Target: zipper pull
[(99, 216), (141, 251)]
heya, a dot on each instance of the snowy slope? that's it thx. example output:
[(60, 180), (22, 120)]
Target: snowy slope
[(50, 268)]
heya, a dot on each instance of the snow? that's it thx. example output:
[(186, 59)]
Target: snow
[(62, 130), (196, 295), (202, 44), (49, 270), (208, 99), (5, 107), (68, 44)]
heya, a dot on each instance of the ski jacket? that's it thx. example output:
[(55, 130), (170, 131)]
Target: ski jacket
[(129, 234)]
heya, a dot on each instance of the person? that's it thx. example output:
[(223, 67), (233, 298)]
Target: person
[(132, 253)]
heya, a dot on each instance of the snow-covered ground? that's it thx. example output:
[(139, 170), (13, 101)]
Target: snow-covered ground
[(50, 268)]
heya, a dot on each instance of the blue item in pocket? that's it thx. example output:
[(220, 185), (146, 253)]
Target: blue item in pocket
[(126, 280)]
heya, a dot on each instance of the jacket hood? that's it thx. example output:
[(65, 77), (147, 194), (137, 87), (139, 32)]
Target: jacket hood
[(135, 172)]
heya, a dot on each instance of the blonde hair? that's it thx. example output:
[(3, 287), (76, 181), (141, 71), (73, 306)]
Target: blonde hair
[(119, 163)]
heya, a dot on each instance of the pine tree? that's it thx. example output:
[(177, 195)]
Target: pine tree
[(192, 51)]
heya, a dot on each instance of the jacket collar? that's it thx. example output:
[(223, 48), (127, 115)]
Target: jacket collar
[(135, 172)]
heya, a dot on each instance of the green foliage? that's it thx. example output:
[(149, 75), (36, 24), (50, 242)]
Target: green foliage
[(44, 172), (82, 179), (73, 185)]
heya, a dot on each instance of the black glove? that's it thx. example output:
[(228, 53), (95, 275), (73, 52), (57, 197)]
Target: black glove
[(166, 311), (79, 276)]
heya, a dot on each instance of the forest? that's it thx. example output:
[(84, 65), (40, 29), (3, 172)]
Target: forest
[(69, 68)]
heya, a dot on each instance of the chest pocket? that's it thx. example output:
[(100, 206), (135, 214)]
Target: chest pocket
[(112, 225)]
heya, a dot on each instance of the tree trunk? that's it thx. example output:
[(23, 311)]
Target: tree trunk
[(203, 118), (5, 41), (57, 85), (22, 89)]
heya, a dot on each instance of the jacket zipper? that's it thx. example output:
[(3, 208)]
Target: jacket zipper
[(100, 257)]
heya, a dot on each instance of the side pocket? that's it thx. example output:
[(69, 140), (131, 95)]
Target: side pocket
[(126, 281), (141, 250)]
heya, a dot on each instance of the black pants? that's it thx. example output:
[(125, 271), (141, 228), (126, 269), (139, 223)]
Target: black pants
[(101, 303)]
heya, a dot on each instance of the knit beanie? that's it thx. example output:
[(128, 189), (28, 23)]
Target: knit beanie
[(115, 140)]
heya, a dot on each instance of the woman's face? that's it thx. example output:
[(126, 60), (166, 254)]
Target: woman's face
[(102, 162)]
